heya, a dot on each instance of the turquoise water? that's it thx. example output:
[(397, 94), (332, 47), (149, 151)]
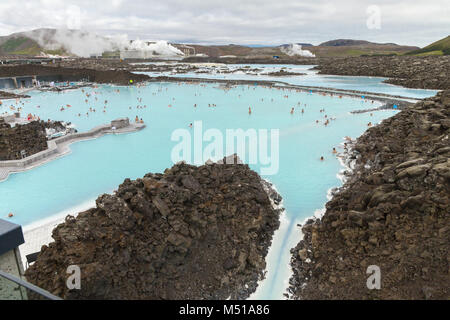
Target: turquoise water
[(313, 79), (99, 166)]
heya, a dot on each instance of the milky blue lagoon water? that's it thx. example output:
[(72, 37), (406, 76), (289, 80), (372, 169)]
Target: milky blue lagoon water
[(99, 166), (311, 78)]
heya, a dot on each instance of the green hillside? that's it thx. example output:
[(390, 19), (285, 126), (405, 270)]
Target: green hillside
[(20, 45), (441, 47), (23, 45)]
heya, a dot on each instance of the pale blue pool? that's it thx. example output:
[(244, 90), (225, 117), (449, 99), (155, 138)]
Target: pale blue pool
[(99, 166), (312, 78)]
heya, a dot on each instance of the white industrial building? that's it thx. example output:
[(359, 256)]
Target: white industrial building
[(179, 50)]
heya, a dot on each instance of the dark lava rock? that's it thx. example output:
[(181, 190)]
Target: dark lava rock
[(190, 233), (283, 73), (430, 72), (30, 138), (11, 95), (393, 212), (56, 125), (75, 72)]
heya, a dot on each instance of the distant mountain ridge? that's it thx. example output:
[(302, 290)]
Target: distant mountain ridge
[(32, 43), (351, 42), (60, 42), (19, 45), (352, 47), (299, 43)]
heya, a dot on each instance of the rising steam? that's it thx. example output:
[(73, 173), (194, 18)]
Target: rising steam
[(84, 44), (158, 48), (296, 50)]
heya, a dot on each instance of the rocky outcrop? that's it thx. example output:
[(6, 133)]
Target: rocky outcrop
[(190, 233), (30, 138), (284, 73), (393, 212), (57, 73), (56, 125), (429, 72), (11, 95)]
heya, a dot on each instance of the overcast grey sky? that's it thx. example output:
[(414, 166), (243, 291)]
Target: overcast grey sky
[(413, 22)]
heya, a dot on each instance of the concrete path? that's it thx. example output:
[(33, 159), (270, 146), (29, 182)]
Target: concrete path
[(4, 172)]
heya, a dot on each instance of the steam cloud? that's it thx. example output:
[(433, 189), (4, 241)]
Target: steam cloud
[(296, 50), (84, 44), (159, 48)]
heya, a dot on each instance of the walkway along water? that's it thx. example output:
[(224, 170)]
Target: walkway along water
[(60, 146)]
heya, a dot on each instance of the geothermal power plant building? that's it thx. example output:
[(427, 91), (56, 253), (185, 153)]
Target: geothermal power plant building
[(148, 54)]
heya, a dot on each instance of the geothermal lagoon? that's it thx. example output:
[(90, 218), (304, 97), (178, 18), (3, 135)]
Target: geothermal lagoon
[(73, 182)]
